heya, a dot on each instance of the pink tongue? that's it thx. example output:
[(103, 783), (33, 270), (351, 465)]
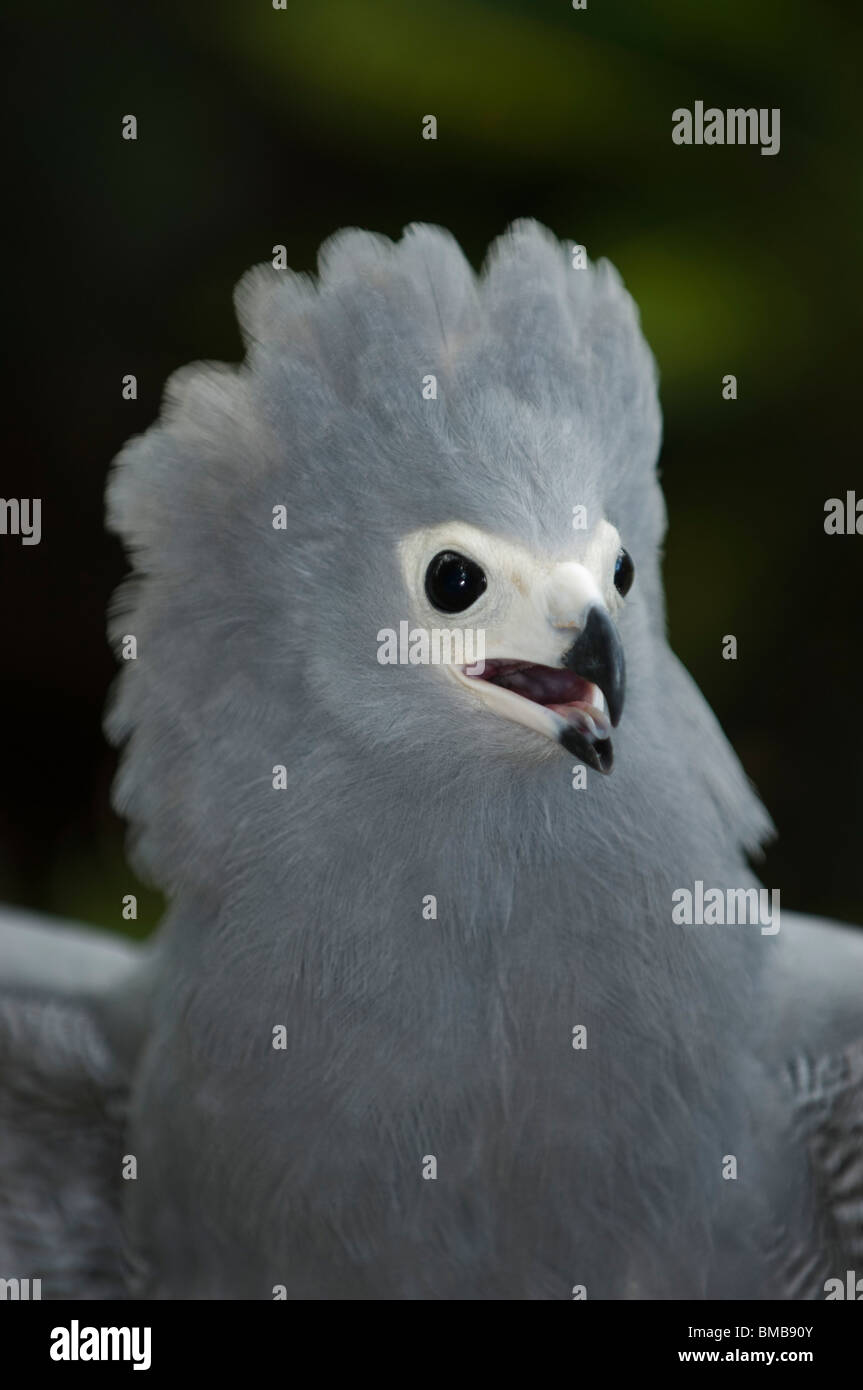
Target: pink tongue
[(586, 717), (545, 685), (564, 692)]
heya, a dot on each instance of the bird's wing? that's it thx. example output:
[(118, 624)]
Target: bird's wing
[(69, 1016), (816, 1046)]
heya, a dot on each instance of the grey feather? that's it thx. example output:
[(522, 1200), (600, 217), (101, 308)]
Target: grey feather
[(67, 1047)]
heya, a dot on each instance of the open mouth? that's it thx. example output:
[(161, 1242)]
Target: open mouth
[(582, 724)]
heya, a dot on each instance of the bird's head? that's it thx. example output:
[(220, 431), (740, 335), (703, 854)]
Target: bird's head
[(410, 456), (481, 488)]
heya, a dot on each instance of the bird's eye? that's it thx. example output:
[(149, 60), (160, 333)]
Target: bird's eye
[(624, 572), (453, 582)]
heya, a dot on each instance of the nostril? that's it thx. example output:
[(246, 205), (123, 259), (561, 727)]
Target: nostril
[(572, 620), (570, 593)]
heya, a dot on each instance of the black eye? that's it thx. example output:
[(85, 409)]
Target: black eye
[(453, 582), (624, 573)]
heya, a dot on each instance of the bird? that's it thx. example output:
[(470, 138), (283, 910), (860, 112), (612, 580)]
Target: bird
[(420, 1021)]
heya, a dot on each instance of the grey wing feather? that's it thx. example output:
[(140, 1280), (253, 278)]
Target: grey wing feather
[(64, 1076), (817, 1046)]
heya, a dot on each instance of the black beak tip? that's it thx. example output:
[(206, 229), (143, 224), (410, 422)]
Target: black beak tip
[(599, 755), (615, 702)]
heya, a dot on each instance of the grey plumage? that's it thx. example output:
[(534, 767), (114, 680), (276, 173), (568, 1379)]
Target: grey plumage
[(260, 1167), (66, 1044)]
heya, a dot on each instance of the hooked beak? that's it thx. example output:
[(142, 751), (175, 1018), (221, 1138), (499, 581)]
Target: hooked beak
[(596, 655), (576, 701)]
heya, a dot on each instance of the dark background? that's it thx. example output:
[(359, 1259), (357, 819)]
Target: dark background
[(258, 127)]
